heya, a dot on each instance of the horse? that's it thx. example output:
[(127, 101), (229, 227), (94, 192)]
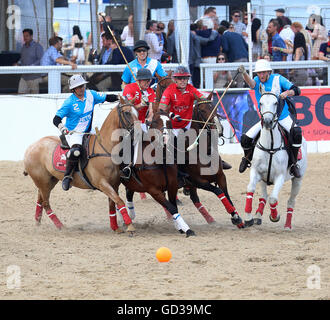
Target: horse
[(216, 182), (270, 165), (101, 172), (154, 178)]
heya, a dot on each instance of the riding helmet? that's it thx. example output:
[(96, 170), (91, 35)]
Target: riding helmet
[(140, 44), (181, 71), (144, 74)]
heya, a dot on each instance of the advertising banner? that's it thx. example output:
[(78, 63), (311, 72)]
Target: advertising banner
[(313, 112)]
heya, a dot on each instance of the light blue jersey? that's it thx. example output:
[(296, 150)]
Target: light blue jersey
[(152, 64), (79, 113), (277, 84)]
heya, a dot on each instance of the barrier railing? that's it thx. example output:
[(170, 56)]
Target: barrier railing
[(207, 70)]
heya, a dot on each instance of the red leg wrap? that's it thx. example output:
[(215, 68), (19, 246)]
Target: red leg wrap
[(262, 203), (126, 218), (54, 218), (113, 220), (204, 212), (226, 203), (288, 218), (38, 212), (248, 203), (273, 210)]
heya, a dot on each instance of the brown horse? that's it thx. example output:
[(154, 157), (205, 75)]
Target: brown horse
[(153, 177), (101, 171)]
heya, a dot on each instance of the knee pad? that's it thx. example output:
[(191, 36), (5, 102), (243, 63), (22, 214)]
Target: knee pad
[(74, 153), (296, 135), (246, 141)]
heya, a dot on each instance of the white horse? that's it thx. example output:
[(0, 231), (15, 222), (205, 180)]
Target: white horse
[(270, 166)]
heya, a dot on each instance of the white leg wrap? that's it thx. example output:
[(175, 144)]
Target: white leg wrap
[(248, 216), (130, 208), (179, 223)]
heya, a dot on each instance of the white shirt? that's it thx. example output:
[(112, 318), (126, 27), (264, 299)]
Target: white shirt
[(287, 34), (156, 49), (127, 37)]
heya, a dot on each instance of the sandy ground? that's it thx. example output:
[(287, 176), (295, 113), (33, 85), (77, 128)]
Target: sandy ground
[(86, 260)]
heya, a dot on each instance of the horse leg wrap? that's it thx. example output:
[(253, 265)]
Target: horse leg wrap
[(273, 210), (248, 203), (288, 219), (179, 223), (113, 220), (38, 212), (230, 209), (126, 218), (54, 218), (131, 211), (203, 211), (261, 206)]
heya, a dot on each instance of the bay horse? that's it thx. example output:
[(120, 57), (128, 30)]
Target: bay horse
[(101, 171), (215, 182), (270, 165), (154, 177)]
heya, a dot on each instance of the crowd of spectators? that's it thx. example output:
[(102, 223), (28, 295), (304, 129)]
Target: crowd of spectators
[(211, 41)]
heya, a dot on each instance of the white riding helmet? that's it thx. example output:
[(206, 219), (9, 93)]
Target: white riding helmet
[(262, 65), (76, 81)]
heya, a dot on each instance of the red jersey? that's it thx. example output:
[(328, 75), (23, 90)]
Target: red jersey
[(132, 90), (180, 103)]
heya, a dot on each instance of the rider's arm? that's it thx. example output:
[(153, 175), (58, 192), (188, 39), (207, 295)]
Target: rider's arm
[(164, 107), (58, 123), (251, 83), (293, 91)]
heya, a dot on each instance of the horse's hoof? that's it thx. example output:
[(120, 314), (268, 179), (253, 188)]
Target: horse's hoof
[(257, 221), (130, 228), (274, 219), (287, 228), (237, 221), (190, 233), (249, 223), (119, 230), (131, 234), (181, 231)]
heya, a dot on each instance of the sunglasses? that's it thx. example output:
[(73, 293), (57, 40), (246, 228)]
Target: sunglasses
[(236, 16), (219, 59), (141, 50)]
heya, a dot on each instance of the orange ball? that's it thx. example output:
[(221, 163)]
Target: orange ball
[(163, 254)]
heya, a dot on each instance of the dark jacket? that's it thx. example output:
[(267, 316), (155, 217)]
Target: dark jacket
[(212, 48), (234, 45)]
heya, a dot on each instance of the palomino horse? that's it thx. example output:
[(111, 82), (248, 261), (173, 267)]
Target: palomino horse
[(153, 175), (215, 182), (102, 173), (270, 165)]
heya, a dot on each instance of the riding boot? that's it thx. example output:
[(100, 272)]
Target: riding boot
[(248, 147), (294, 169), (72, 158), (226, 165), (70, 166)]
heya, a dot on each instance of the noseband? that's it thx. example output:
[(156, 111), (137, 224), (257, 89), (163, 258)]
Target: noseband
[(199, 114), (125, 117), (275, 115)]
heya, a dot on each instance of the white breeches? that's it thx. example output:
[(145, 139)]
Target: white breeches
[(176, 131), (74, 138), (286, 123)]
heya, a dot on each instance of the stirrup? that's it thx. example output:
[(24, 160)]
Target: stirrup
[(127, 172), (245, 163), (225, 165), (66, 183), (294, 171)]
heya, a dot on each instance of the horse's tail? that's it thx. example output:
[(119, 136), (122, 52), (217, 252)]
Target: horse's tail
[(25, 173)]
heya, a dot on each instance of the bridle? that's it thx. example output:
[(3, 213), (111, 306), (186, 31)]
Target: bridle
[(125, 117), (162, 87), (274, 115), (199, 114)]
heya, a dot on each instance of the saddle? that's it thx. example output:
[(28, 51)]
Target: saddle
[(59, 158)]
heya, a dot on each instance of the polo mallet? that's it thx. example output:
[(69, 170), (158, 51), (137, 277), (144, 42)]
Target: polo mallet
[(103, 15), (195, 143)]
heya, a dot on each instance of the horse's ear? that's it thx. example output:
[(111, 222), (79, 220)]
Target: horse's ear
[(158, 76), (122, 101), (169, 74), (210, 96), (261, 89)]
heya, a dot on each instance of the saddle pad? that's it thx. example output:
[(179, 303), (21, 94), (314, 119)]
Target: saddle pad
[(59, 158)]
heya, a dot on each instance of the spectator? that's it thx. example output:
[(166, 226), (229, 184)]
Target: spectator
[(170, 42), (195, 50), (104, 26), (277, 41), (211, 13), (324, 54), (211, 49), (128, 34), (267, 57), (236, 49), (287, 34), (161, 35), (283, 19), (319, 35), (221, 79), (256, 39), (77, 46), (142, 61), (299, 76), (31, 55), (53, 57), (156, 46), (310, 26), (239, 26)]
